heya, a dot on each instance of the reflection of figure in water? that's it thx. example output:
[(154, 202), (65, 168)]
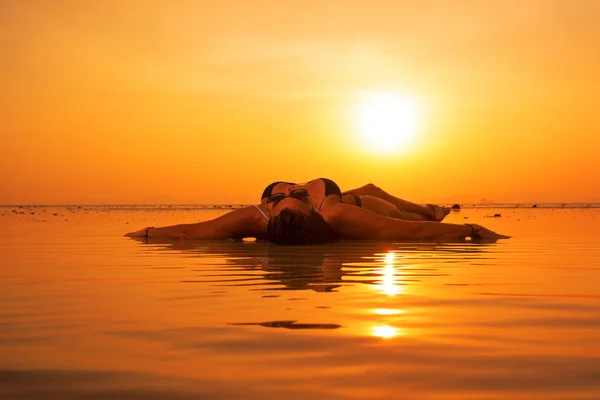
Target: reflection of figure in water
[(301, 269), (318, 212), (316, 268)]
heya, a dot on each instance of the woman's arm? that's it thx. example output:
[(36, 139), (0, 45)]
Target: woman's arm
[(358, 223), (245, 222)]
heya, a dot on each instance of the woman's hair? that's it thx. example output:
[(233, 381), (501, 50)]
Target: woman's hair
[(296, 227)]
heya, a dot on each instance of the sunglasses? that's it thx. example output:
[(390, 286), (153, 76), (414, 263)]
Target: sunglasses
[(300, 194)]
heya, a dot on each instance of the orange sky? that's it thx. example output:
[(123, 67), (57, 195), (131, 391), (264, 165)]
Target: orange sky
[(209, 101)]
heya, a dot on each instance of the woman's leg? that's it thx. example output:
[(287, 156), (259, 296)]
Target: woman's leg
[(382, 207), (430, 212)]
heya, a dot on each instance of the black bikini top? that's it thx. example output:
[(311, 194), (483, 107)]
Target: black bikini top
[(330, 187)]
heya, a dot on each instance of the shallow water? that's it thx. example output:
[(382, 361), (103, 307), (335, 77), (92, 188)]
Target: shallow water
[(87, 313)]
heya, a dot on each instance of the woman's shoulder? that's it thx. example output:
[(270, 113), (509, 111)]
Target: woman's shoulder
[(334, 212), (249, 221)]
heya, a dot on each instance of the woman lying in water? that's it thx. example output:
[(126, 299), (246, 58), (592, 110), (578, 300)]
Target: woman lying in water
[(317, 212)]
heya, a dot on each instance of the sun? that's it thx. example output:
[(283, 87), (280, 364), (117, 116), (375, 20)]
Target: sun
[(387, 121)]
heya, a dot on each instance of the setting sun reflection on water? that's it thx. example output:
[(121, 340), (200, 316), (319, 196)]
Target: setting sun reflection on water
[(385, 331)]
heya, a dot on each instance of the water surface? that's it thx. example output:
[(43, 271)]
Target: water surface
[(86, 313)]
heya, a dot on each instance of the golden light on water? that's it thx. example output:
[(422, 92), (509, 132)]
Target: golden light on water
[(387, 122), (387, 311), (389, 258), (389, 281), (385, 331)]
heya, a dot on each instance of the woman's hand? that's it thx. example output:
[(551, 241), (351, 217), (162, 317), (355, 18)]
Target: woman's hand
[(483, 234), (173, 232)]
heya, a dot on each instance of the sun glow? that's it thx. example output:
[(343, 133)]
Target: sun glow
[(387, 122), (385, 331), (389, 281), (387, 311)]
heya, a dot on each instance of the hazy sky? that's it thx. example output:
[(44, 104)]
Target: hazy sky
[(209, 101)]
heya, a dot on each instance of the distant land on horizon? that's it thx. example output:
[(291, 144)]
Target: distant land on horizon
[(238, 205)]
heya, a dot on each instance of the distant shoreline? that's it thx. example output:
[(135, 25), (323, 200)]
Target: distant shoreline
[(230, 206)]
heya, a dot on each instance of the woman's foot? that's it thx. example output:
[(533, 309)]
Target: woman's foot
[(439, 212)]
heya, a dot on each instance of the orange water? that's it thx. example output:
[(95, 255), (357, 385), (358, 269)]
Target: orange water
[(87, 313)]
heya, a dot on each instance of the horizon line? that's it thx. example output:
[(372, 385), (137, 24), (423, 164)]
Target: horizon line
[(230, 204)]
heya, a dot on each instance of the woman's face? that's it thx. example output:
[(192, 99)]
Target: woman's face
[(293, 197)]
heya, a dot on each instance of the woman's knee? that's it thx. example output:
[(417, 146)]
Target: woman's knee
[(370, 189), (373, 189)]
